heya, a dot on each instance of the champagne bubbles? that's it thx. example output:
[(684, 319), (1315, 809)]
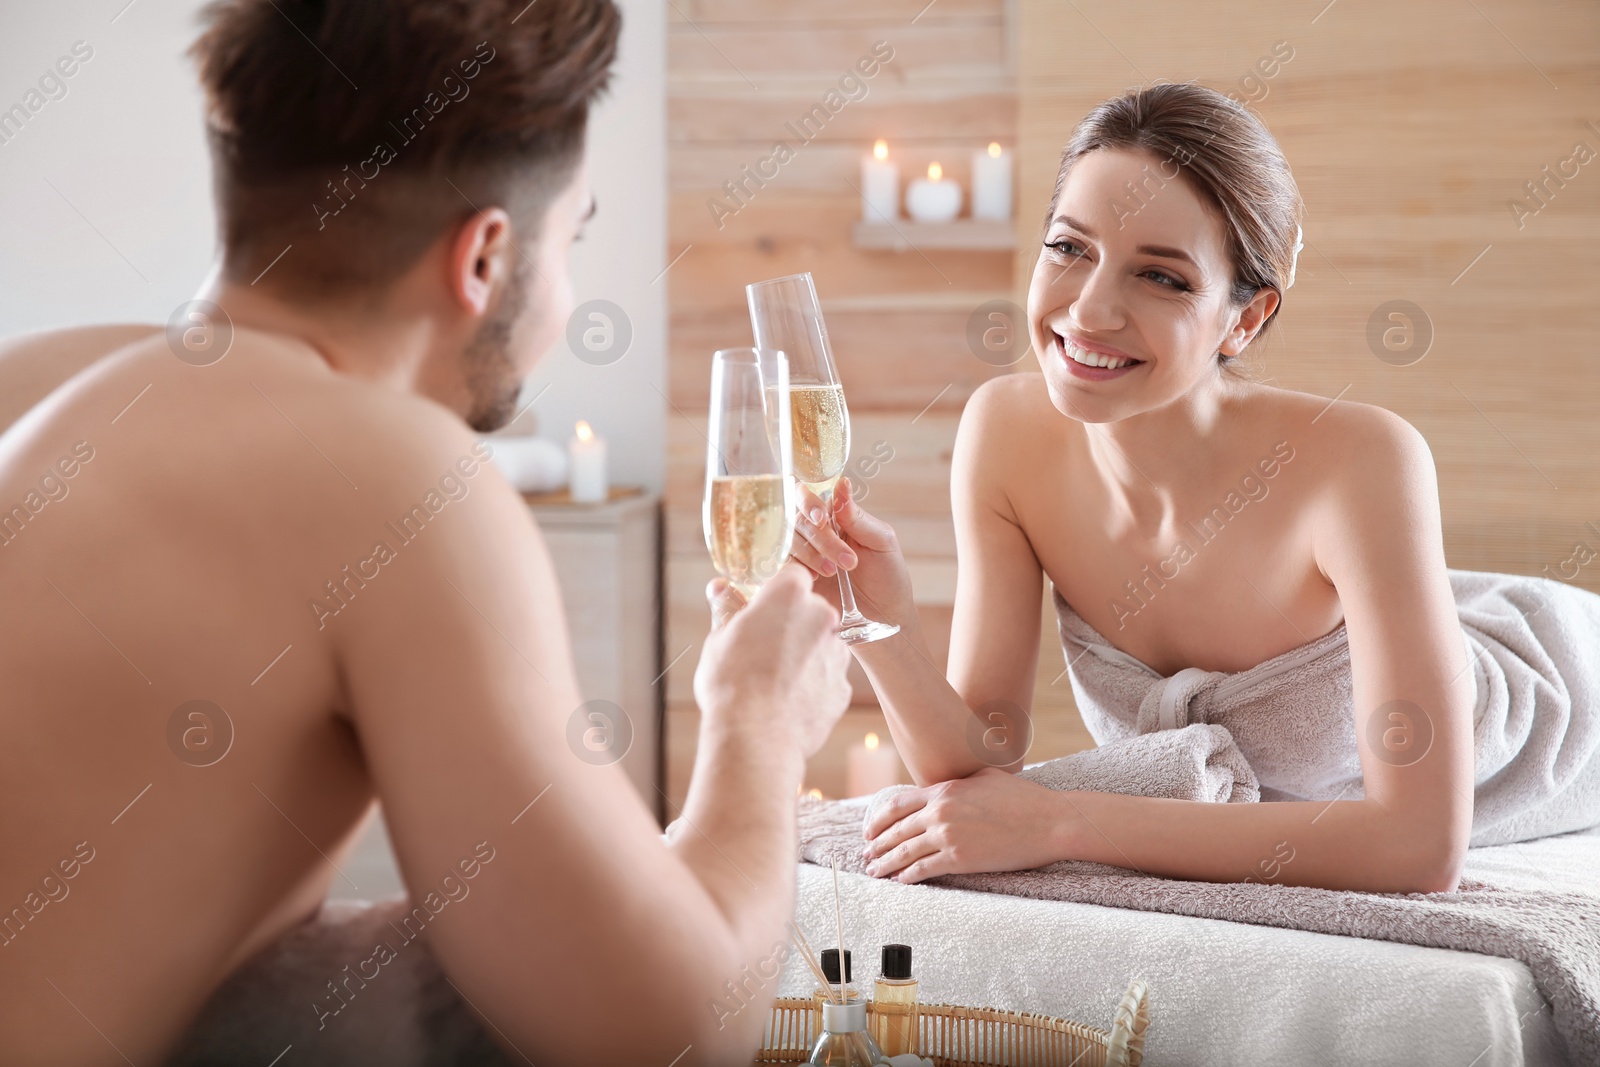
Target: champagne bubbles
[(1399, 733), (1399, 333), (199, 332), (199, 733), (999, 733), (599, 332), (599, 732)]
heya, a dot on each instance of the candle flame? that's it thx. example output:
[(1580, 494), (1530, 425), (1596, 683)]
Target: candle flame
[(872, 742), (584, 431), (994, 149), (880, 150), (935, 172)]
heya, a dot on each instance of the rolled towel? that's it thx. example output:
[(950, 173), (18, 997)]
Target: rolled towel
[(1198, 762)]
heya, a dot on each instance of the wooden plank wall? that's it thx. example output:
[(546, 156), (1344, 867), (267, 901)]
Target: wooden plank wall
[(1412, 130), (739, 71)]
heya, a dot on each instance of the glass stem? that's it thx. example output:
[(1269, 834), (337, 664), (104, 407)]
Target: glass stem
[(847, 596)]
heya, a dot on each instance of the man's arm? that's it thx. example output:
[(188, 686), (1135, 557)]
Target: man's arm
[(554, 902)]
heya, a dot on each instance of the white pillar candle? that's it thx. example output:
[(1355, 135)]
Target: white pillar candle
[(586, 465), (880, 186), (870, 766), (934, 198), (991, 183)]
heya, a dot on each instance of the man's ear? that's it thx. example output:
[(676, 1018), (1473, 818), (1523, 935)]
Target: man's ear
[(479, 261), (1252, 317)]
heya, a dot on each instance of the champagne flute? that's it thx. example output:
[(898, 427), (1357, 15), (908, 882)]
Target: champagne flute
[(750, 501), (786, 316)]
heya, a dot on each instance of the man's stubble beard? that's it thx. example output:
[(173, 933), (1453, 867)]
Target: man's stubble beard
[(493, 383)]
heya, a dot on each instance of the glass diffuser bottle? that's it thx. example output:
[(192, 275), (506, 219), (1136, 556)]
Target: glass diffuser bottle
[(844, 1041)]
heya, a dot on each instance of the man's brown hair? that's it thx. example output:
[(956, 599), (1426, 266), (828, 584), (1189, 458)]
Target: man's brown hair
[(356, 131)]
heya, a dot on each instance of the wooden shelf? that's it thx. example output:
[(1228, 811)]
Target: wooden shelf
[(564, 496), (970, 234)]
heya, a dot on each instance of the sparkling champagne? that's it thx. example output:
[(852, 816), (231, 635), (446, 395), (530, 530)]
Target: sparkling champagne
[(820, 425), (748, 528)]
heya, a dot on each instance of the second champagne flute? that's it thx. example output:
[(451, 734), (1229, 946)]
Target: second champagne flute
[(750, 499), (785, 315)]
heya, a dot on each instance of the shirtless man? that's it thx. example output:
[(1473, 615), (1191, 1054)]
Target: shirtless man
[(295, 524)]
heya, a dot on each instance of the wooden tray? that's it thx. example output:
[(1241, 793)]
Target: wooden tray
[(956, 1036)]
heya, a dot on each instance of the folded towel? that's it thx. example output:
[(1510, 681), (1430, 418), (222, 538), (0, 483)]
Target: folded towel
[(1550, 920), (1534, 646)]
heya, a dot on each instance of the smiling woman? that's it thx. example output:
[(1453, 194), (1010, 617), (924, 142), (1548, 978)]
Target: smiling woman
[(1139, 420), (1225, 156)]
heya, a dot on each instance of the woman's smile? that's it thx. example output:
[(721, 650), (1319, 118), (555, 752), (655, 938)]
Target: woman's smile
[(1091, 363)]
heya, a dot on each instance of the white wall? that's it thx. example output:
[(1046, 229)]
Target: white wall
[(127, 232), (619, 259)]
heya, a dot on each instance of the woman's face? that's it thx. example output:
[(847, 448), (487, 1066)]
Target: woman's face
[(1134, 267)]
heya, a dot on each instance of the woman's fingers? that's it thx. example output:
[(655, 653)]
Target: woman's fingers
[(902, 856), (902, 831), (930, 866), (862, 528), (894, 809), (803, 551), (818, 535)]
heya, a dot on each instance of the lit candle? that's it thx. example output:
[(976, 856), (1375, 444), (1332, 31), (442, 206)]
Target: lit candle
[(870, 766), (586, 465), (934, 198), (880, 186), (991, 183)]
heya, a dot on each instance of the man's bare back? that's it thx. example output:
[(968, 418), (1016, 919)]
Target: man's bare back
[(364, 608), (189, 515)]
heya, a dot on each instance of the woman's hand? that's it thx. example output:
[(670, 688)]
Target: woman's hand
[(863, 545), (990, 821)]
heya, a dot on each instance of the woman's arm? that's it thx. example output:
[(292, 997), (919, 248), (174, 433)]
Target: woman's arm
[(942, 730), (1379, 542), (999, 822)]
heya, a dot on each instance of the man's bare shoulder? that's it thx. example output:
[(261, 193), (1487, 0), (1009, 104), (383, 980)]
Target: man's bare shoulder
[(32, 365), (266, 435)]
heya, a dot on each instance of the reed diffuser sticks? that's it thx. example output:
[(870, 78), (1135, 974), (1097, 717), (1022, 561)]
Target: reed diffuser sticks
[(838, 917), (811, 961)]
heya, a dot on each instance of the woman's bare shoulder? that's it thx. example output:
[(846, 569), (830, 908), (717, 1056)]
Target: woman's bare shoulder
[(1342, 439), (1329, 422), (1009, 407)]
